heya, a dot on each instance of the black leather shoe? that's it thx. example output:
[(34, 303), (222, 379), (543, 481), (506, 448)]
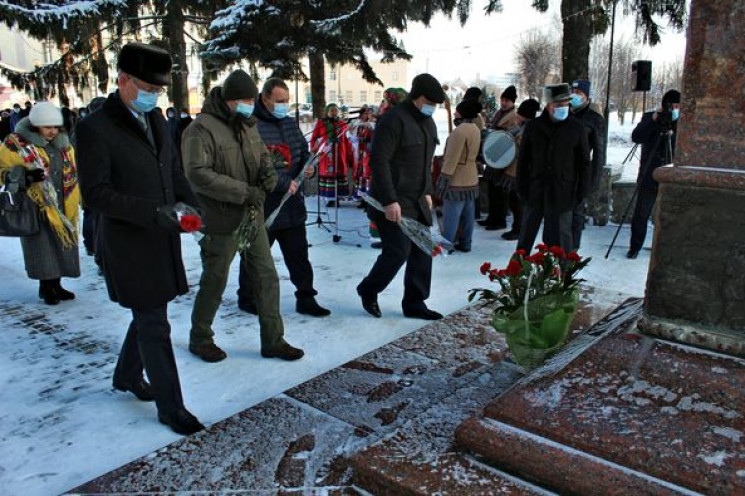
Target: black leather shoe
[(511, 235), (181, 421), (249, 307), (285, 351), (496, 227), (62, 293), (47, 293), (309, 306), (484, 223), (422, 313), (371, 306), (140, 388), (632, 254), (461, 248)]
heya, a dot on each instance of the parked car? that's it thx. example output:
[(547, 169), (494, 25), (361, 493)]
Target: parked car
[(306, 112)]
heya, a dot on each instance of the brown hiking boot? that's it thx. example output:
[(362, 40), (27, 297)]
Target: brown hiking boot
[(208, 352), (283, 351)]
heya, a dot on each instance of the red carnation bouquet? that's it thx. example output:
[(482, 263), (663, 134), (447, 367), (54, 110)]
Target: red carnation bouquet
[(189, 219), (536, 302)]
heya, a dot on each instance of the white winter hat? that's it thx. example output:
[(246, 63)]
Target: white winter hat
[(45, 114)]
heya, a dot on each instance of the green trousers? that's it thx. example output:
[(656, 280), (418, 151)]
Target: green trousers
[(218, 252)]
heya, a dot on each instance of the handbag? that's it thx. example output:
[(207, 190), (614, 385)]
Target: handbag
[(19, 215)]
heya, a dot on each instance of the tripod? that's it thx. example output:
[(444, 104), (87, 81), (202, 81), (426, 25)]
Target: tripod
[(319, 222), (666, 133)]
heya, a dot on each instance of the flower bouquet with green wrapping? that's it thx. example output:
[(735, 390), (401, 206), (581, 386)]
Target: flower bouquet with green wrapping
[(536, 302)]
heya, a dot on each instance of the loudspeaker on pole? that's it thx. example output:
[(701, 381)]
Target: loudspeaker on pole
[(641, 75)]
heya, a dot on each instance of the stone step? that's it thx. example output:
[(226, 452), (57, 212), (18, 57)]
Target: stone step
[(385, 469), (554, 465)]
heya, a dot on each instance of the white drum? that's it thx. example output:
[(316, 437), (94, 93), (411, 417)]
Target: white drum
[(499, 149)]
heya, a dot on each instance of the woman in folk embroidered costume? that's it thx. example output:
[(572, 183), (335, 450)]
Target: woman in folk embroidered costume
[(330, 135), (41, 147)]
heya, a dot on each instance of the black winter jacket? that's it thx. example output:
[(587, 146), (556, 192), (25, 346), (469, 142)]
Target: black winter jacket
[(595, 125), (401, 160), (646, 134), (274, 131), (125, 179), (554, 164)]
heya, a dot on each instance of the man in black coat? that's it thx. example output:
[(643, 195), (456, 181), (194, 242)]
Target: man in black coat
[(130, 175), (282, 136), (595, 125), (553, 171), (656, 132), (402, 148)]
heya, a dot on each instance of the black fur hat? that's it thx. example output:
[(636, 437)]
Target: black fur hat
[(146, 62), (556, 93)]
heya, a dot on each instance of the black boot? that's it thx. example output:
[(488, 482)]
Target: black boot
[(62, 293), (47, 292), (309, 306)]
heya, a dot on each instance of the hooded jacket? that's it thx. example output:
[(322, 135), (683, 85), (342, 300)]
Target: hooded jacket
[(226, 163)]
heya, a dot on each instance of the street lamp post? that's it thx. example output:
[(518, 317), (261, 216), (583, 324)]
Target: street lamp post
[(606, 111)]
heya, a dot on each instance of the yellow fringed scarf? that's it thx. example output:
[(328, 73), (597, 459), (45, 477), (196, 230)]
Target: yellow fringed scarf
[(15, 151)]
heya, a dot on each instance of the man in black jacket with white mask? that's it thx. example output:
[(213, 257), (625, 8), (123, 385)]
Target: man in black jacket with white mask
[(402, 149), (553, 171)]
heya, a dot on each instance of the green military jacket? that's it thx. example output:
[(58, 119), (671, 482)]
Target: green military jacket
[(227, 165)]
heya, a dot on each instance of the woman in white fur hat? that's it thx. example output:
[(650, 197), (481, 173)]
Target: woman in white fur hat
[(41, 147)]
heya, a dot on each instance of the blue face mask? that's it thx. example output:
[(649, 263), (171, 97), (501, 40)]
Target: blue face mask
[(427, 110), (561, 113), (576, 100), (676, 114), (281, 110), (145, 101), (244, 109)]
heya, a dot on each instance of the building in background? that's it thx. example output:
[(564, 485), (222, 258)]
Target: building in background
[(18, 53)]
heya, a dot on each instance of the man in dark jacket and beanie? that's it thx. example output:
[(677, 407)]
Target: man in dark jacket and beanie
[(283, 137), (130, 175), (231, 171), (656, 132), (553, 171), (402, 148), (504, 119), (595, 125)]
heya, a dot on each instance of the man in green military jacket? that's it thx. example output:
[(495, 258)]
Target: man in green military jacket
[(231, 172)]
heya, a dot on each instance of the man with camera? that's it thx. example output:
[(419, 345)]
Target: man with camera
[(656, 134)]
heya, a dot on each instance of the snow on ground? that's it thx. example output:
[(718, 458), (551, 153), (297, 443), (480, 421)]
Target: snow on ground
[(62, 424)]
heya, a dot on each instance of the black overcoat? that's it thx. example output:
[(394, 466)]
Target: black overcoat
[(125, 179), (401, 160), (553, 170), (648, 133)]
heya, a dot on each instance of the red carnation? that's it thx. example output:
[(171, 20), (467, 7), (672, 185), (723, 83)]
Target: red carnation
[(521, 253), (494, 274), (557, 251), (514, 268), (537, 258), (437, 250), (542, 247), (485, 268), (574, 257), (191, 223)]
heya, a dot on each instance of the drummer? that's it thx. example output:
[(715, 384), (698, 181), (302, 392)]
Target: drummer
[(505, 119), (525, 112)]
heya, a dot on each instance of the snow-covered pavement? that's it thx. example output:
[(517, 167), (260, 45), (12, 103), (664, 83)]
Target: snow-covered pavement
[(62, 424)]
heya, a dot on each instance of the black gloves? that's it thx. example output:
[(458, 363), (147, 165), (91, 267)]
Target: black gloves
[(34, 176), (167, 218)]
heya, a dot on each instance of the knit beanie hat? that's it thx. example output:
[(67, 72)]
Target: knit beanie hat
[(146, 62), (672, 96), (583, 85), (239, 86), (429, 87), (472, 93), (469, 109), (509, 94), (528, 108), (45, 114)]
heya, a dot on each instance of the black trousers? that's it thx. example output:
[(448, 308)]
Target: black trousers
[(148, 345), (578, 224), (294, 245), (557, 228), (517, 210), (90, 220), (498, 200), (398, 250), (642, 212)]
